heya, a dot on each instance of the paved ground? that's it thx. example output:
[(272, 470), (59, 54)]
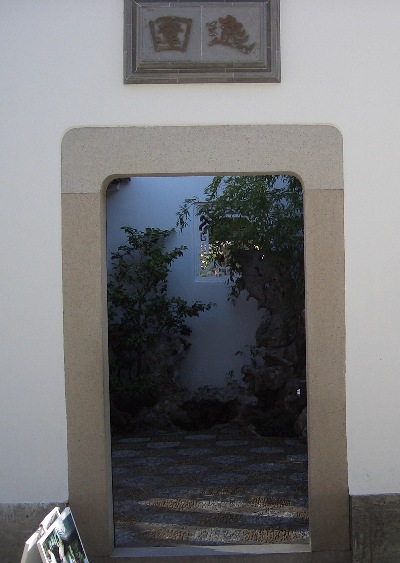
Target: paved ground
[(212, 488)]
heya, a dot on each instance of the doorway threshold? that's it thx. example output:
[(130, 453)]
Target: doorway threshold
[(288, 553), (268, 553)]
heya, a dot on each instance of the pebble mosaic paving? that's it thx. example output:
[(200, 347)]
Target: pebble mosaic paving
[(220, 488)]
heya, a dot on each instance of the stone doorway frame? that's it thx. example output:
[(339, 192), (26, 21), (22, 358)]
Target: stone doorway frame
[(91, 158)]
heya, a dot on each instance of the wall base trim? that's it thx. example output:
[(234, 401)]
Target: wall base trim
[(17, 523), (376, 528)]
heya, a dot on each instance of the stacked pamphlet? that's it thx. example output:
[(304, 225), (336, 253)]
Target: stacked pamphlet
[(55, 541)]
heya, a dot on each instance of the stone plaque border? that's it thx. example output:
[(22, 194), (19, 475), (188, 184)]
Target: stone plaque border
[(192, 69)]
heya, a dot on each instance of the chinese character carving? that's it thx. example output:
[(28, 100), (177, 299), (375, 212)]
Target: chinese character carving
[(228, 31), (170, 33)]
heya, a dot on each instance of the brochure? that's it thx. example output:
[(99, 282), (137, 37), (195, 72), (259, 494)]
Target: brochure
[(61, 542), (31, 553)]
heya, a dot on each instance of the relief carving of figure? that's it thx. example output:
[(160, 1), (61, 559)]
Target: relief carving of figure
[(231, 33), (170, 33)]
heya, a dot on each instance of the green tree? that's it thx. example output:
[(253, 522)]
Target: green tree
[(141, 312), (254, 216), (255, 230)]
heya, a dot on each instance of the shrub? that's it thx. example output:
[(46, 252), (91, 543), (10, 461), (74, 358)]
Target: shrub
[(147, 327)]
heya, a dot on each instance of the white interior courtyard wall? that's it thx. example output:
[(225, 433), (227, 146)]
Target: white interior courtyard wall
[(62, 68), (217, 334)]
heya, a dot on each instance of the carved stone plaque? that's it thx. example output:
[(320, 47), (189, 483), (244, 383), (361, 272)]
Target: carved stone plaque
[(190, 41)]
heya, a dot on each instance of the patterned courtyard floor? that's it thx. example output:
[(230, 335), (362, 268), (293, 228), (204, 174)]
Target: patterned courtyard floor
[(222, 487)]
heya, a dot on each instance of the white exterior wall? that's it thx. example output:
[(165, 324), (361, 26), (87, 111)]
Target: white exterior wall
[(217, 334), (62, 67)]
